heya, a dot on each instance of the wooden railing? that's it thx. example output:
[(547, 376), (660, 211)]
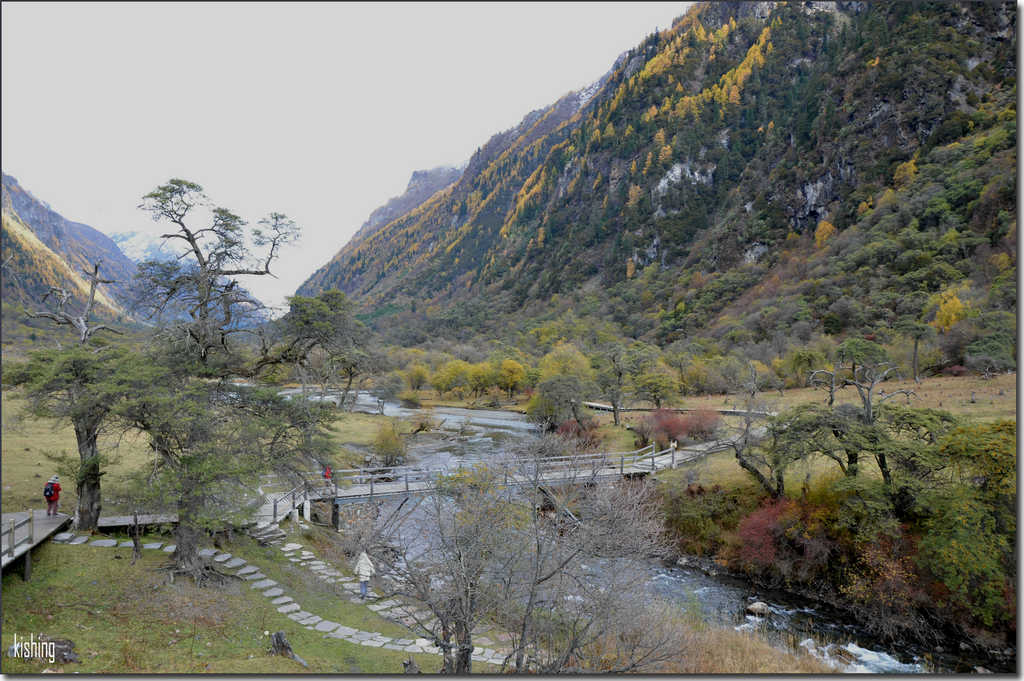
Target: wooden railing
[(11, 533), (512, 473)]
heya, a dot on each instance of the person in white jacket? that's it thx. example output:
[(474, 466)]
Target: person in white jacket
[(364, 570)]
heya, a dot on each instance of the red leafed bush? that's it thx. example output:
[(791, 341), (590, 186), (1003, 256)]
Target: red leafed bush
[(759, 533), (665, 425), (701, 424), (585, 433)]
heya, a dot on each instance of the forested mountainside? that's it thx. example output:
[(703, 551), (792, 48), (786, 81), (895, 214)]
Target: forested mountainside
[(422, 185), (758, 168), (40, 249)]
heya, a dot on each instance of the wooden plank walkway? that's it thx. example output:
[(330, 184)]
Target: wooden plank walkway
[(113, 521), (352, 486), (27, 535)]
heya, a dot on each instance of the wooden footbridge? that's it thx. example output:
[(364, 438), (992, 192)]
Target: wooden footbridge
[(365, 484)]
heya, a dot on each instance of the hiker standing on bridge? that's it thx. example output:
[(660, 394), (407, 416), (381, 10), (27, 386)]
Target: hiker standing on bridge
[(51, 492), (364, 570)]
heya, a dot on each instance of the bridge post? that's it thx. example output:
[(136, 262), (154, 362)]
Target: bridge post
[(335, 515), (622, 464), (407, 481), (10, 542), (31, 528), (275, 510), (371, 485)]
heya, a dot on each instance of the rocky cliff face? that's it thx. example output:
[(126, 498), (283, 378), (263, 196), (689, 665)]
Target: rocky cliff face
[(46, 249)]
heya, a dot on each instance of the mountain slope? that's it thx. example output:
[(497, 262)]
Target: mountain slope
[(42, 249), (840, 164), (422, 185)]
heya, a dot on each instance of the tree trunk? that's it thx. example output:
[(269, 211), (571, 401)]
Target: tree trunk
[(916, 378), (88, 483), (615, 412), (344, 394), (464, 651), (187, 536), (883, 466)]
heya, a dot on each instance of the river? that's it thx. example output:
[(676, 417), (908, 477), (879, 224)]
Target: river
[(793, 623)]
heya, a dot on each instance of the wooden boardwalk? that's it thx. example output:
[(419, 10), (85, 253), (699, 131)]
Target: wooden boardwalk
[(20, 533), (358, 485), (115, 521)]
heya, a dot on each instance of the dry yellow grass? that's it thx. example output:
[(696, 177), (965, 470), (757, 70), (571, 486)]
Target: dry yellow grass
[(995, 398), (721, 651), (25, 467)]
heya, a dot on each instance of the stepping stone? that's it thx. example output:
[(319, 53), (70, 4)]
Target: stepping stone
[(404, 641), (373, 644), (264, 584), (62, 537), (392, 646), (281, 600), (125, 545), (377, 607), (221, 557), (272, 593), (234, 562), (153, 545), (247, 570), (206, 553), (80, 539), (103, 542), (342, 630), (294, 560), (363, 635), (413, 649), (291, 547), (253, 576), (290, 607), (170, 548), (326, 625), (312, 619), (301, 615), (346, 579)]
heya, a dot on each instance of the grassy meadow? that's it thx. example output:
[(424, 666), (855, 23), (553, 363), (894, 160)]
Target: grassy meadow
[(131, 619)]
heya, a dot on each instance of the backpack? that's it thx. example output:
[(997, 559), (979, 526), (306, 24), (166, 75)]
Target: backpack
[(48, 491)]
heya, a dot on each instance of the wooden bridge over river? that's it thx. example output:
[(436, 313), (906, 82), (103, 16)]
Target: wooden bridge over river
[(364, 484)]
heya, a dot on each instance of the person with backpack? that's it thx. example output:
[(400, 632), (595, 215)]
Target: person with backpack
[(51, 492)]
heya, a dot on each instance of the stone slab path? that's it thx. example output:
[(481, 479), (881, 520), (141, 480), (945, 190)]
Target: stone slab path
[(391, 609)]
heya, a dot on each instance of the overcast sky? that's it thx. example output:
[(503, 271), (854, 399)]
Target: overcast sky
[(319, 111)]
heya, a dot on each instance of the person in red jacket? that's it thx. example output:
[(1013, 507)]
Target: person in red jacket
[(51, 492), (327, 473)]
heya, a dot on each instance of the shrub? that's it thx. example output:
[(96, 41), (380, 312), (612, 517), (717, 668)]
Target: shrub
[(584, 433), (389, 445), (409, 399), (701, 424)]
